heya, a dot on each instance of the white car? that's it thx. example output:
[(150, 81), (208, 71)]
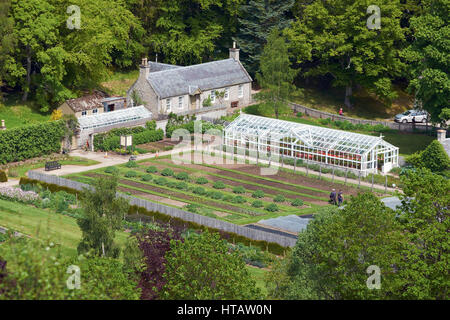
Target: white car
[(412, 116)]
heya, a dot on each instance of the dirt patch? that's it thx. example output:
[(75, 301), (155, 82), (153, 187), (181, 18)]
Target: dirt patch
[(221, 214)]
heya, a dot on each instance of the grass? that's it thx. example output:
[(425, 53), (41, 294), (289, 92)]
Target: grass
[(365, 105), (119, 82), (78, 161), (259, 276), (18, 114), (45, 224)]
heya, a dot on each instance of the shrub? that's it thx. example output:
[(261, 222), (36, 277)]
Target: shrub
[(219, 185), (239, 190), (112, 170), (279, 198), (161, 181), (182, 176), (272, 207), (238, 199), (131, 164), (147, 177), (150, 125), (199, 190), (181, 185), (228, 198), (257, 204), (131, 174), (167, 172), (299, 114), (152, 169), (435, 158), (297, 203), (201, 180), (258, 194), (215, 195), (172, 184), (3, 177)]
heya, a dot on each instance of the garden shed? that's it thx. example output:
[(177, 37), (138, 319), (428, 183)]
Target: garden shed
[(312, 144)]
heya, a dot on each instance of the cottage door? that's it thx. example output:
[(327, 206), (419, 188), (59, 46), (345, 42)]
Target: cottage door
[(193, 102)]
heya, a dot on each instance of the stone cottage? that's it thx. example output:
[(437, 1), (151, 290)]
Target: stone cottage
[(96, 103), (165, 88)]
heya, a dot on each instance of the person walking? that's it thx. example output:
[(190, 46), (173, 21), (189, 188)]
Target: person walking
[(340, 198), (333, 197)]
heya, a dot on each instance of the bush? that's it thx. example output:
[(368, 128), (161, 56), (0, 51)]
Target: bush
[(257, 204), (272, 207), (228, 198), (131, 164), (297, 203), (131, 174), (201, 180), (167, 172), (216, 195), (258, 194), (279, 198), (435, 158), (199, 190), (239, 190), (152, 169), (181, 185), (112, 170), (182, 176), (3, 177), (147, 177), (219, 185), (238, 199), (150, 125), (160, 181), (299, 114)]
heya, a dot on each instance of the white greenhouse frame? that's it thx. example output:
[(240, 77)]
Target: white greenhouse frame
[(114, 117), (313, 144)]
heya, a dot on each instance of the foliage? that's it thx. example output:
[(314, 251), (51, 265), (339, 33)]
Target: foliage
[(201, 180), (238, 199), (161, 181), (239, 190), (257, 204), (428, 57), (111, 140), (56, 115), (103, 213), (16, 194), (257, 18), (152, 169), (331, 38), (434, 158), (181, 176), (219, 184), (167, 172), (202, 268), (147, 177), (297, 202), (272, 207), (3, 177), (31, 141), (276, 76), (279, 198), (112, 170), (131, 164), (154, 244), (258, 194), (131, 174)]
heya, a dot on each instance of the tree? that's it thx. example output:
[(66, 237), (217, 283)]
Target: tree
[(276, 77), (334, 38), (426, 215), (257, 18), (332, 255), (434, 158), (102, 216), (429, 57), (8, 41), (202, 268), (38, 271)]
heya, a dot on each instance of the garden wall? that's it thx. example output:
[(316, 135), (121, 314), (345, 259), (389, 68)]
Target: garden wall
[(175, 212)]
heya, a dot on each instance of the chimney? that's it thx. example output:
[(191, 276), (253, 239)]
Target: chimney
[(145, 68), (3, 127), (234, 52), (441, 135)]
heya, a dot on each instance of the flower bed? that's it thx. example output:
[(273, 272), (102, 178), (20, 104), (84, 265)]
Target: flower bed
[(16, 194)]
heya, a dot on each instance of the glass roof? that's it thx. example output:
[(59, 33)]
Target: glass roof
[(247, 126), (114, 117)]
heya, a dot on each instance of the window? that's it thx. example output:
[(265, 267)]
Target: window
[(180, 102), (213, 96), (95, 111), (226, 95), (83, 113), (168, 105), (241, 91)]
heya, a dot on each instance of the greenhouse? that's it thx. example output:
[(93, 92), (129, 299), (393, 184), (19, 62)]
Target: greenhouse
[(312, 144)]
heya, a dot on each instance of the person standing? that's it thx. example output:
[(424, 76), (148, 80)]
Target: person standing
[(340, 198), (341, 112), (333, 197)]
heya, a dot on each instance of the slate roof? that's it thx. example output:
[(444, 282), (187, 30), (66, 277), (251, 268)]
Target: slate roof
[(176, 81), (88, 102), (156, 66)]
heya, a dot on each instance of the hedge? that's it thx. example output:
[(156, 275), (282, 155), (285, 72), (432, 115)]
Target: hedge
[(3, 177), (272, 247), (31, 141), (111, 140)]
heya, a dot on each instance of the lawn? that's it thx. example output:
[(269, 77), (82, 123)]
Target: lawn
[(17, 113), (119, 82), (45, 224), (258, 275)]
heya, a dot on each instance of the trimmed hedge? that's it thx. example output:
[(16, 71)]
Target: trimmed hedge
[(272, 247), (111, 140), (3, 177), (31, 141)]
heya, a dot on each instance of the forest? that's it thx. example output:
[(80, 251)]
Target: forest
[(53, 50)]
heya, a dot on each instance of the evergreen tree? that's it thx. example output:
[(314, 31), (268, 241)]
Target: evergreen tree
[(256, 19), (276, 77)]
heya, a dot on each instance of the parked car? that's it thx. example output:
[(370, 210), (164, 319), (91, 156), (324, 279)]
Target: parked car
[(412, 116)]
